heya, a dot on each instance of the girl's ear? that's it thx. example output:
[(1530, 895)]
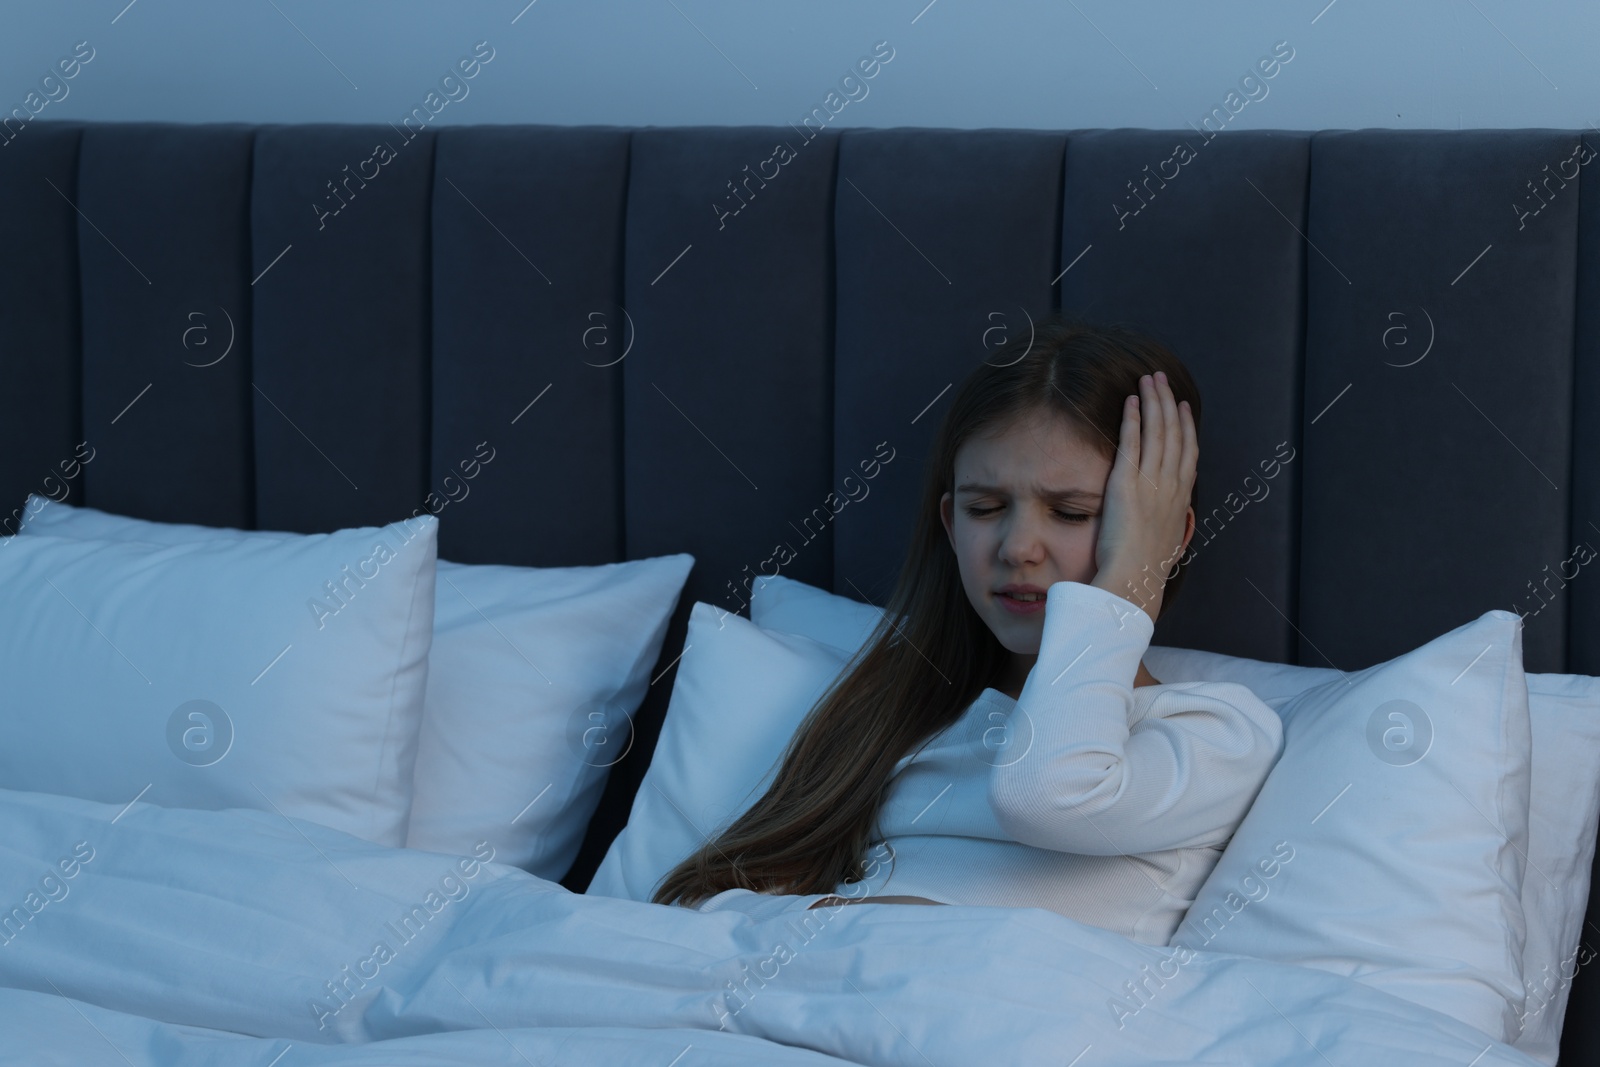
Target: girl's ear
[(947, 516), (1188, 529)]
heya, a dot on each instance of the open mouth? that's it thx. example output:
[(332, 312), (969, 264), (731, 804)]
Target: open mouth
[(1022, 603)]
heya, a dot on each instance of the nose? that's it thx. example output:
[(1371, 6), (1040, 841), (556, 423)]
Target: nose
[(1020, 543)]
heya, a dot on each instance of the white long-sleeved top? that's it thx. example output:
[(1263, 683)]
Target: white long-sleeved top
[(1100, 801)]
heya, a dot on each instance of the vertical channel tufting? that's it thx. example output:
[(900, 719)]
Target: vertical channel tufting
[(728, 413), (529, 343), (946, 247), (1583, 598), (41, 422), (341, 286), (1580, 1040), (1442, 471), (1197, 243), (166, 347)]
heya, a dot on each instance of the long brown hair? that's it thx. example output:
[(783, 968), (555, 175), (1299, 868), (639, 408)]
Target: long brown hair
[(809, 831)]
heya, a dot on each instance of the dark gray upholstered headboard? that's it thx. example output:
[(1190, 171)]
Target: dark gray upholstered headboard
[(1415, 314)]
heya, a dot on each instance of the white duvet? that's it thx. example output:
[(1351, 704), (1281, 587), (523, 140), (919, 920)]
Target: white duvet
[(186, 937)]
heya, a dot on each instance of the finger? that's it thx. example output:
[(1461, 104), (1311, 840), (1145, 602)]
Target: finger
[(1191, 446), (1172, 432), (1128, 446), (1150, 416)]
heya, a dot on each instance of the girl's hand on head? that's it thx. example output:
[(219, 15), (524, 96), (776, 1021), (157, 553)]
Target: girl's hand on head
[(1144, 513)]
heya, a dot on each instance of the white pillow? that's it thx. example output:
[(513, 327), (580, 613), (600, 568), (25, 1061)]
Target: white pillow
[(1564, 808), (534, 676), (779, 603), (739, 696), (200, 675), (1402, 798)]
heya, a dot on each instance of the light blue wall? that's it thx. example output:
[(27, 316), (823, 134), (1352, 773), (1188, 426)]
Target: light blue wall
[(1054, 64)]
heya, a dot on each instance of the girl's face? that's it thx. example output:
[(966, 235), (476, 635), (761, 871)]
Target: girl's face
[(1025, 511)]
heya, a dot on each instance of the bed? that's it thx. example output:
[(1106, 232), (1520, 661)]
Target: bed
[(587, 385)]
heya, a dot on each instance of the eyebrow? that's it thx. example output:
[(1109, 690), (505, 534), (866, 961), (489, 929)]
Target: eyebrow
[(1048, 494)]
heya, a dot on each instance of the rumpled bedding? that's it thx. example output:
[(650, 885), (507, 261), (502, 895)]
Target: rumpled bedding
[(186, 937)]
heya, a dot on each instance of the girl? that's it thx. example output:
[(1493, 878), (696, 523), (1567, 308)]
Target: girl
[(1003, 743)]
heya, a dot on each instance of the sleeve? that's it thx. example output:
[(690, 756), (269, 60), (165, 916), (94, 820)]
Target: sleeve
[(1182, 776)]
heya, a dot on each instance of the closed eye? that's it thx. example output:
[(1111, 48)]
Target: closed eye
[(1068, 516)]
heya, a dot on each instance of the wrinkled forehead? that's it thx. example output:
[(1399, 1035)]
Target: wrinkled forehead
[(1040, 453)]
